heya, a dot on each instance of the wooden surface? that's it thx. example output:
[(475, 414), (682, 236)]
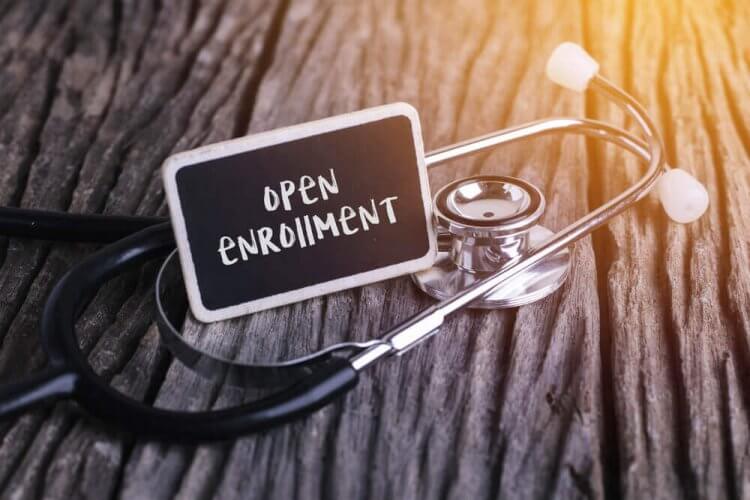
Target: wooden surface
[(630, 382)]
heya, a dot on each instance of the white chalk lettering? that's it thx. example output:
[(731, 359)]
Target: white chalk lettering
[(286, 236), (305, 187), (305, 230), (248, 248), (347, 214), (328, 187), (369, 217), (264, 239), (226, 243), (287, 188), (329, 224), (270, 199), (300, 233), (305, 184), (309, 231), (388, 202)]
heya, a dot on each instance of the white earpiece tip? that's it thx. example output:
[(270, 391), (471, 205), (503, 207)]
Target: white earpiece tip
[(571, 67), (682, 196)]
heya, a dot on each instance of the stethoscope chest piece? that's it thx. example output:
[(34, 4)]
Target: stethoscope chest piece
[(485, 223), (492, 254)]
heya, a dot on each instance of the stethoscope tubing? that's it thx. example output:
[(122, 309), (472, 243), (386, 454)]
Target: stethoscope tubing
[(138, 239), (70, 227), (70, 376)]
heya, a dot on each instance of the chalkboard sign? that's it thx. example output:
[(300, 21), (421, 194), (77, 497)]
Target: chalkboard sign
[(293, 213)]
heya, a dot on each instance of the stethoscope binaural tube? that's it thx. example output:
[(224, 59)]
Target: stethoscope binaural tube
[(70, 376), (426, 323)]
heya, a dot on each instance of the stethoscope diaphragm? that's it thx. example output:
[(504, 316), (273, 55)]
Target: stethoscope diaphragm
[(486, 223)]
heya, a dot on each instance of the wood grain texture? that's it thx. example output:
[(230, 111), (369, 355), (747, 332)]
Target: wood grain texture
[(628, 383)]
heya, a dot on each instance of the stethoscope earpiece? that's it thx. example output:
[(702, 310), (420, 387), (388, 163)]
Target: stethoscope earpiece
[(571, 67), (682, 196), (492, 253)]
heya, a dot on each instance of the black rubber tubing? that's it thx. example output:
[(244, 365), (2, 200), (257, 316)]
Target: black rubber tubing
[(63, 226), (69, 364)]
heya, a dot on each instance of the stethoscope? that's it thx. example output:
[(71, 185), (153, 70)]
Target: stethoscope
[(493, 253)]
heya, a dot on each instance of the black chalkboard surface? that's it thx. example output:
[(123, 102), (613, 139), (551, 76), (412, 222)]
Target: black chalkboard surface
[(293, 213)]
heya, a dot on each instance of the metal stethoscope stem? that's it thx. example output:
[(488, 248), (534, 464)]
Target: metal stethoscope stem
[(426, 323), (480, 224)]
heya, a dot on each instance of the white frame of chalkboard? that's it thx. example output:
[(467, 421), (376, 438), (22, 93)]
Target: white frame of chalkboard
[(278, 136)]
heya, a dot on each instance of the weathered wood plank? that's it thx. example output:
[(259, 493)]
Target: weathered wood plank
[(627, 383), (678, 347), (311, 38), (115, 172)]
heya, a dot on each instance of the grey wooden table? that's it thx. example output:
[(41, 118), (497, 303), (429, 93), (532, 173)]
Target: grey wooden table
[(632, 381)]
